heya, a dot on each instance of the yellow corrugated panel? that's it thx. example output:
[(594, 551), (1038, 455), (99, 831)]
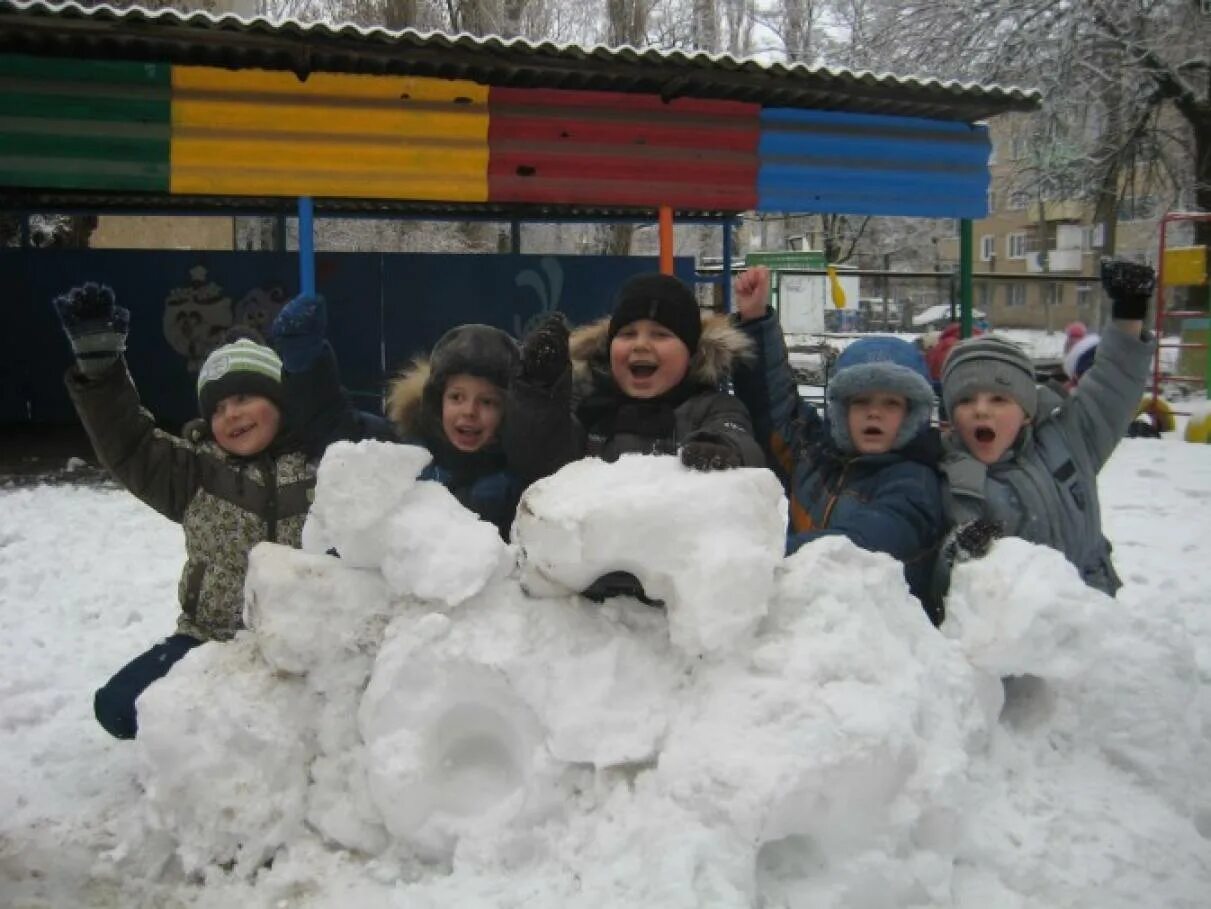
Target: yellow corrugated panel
[(1185, 266), (252, 132)]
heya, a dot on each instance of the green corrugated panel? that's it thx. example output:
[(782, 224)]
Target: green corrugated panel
[(68, 124)]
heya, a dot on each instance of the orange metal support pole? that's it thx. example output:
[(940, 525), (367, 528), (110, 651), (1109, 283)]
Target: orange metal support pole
[(666, 240)]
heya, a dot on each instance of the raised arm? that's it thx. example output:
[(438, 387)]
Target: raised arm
[(1104, 403), (161, 470), (540, 433), (782, 421), (319, 409)]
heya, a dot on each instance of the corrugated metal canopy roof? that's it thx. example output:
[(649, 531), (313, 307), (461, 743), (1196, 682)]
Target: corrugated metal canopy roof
[(200, 38)]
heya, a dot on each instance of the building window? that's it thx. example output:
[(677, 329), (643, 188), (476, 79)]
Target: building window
[(984, 291), (1015, 246), (1093, 237), (1015, 294), (1018, 148), (992, 201), (1052, 294), (1018, 201), (988, 247)]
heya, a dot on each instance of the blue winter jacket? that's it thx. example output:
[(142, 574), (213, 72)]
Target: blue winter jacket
[(888, 503)]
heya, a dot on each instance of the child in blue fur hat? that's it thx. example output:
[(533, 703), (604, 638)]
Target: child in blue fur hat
[(868, 470)]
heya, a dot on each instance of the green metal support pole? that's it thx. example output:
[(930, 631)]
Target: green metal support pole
[(965, 258)]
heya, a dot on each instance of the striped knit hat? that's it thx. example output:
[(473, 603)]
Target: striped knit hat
[(241, 367)]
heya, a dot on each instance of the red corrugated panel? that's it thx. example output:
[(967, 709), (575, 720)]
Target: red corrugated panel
[(606, 148)]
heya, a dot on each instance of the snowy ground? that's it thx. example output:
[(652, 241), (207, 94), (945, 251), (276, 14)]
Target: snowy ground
[(810, 743)]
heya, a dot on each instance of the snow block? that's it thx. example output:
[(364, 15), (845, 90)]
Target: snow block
[(224, 756), (435, 549), (358, 486), (312, 610), (592, 518)]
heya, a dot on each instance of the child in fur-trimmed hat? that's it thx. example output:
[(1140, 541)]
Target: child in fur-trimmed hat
[(453, 403), (867, 469), (238, 481), (450, 401), (1021, 460)]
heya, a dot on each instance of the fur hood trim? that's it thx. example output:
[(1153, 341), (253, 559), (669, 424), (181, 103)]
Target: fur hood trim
[(720, 347), (405, 397)]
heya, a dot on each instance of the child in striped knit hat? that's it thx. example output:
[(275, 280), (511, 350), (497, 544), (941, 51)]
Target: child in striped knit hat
[(235, 481)]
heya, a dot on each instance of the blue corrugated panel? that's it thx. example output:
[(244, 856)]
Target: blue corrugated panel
[(865, 164)]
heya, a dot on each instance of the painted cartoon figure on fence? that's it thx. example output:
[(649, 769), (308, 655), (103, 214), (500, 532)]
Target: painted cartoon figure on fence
[(196, 316), (198, 313)]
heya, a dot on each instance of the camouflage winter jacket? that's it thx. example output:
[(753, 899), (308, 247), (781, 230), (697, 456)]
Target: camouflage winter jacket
[(225, 504)]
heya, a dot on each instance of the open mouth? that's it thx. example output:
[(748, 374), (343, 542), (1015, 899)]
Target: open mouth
[(241, 430), (872, 432), (985, 434), (643, 370)]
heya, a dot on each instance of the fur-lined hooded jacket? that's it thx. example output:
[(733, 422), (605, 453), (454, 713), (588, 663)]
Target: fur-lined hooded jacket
[(584, 414), (890, 502), (225, 504), (482, 480)]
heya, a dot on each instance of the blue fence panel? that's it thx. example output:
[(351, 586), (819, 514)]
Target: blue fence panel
[(383, 310), (426, 295)]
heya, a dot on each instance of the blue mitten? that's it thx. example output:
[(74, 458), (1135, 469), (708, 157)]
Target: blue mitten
[(95, 325), (298, 331)]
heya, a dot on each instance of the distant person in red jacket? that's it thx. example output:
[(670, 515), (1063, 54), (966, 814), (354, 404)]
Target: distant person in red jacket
[(935, 358)]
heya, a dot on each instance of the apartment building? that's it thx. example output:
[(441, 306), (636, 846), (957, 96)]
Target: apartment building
[(1036, 260)]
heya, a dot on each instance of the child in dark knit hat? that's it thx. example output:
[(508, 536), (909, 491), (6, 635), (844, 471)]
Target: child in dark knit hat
[(647, 381), (868, 470), (236, 481), (1021, 460), (450, 402)]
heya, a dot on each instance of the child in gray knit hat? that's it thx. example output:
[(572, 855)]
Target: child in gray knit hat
[(1021, 460)]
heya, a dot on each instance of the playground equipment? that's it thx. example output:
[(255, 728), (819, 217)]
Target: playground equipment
[(1181, 267)]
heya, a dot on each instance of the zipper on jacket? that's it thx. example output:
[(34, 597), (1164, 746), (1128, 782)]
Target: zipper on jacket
[(828, 510), (271, 502)]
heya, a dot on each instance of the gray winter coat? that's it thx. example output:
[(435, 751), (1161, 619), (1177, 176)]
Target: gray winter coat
[(1044, 489)]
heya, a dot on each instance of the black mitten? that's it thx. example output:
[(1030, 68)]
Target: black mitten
[(972, 540), (1129, 286), (95, 325), (544, 352), (705, 454)]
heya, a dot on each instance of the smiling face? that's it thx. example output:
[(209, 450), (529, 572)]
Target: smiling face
[(647, 359), (988, 423), (874, 419), (471, 411), (245, 425)]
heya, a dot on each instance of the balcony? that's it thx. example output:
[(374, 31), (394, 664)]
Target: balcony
[(1058, 260)]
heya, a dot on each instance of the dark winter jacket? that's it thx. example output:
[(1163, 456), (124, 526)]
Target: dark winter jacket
[(225, 504), (482, 481), (888, 502), (586, 415), (1044, 488), (321, 410)]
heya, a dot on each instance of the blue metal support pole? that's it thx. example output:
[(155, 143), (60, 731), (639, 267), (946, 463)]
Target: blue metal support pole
[(306, 246)]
